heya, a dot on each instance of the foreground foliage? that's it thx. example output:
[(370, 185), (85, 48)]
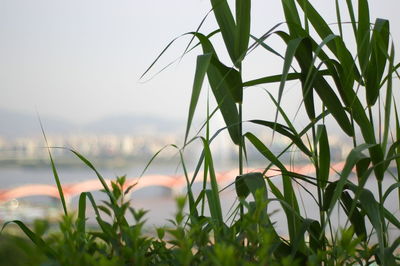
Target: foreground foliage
[(354, 89)]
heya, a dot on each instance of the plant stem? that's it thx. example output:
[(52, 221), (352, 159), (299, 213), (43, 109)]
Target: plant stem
[(319, 185)]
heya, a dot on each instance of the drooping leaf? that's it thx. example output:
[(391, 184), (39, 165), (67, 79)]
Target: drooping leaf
[(36, 239), (203, 61), (355, 217), (250, 183), (230, 78), (334, 191), (286, 131), (319, 84), (371, 208), (226, 85)]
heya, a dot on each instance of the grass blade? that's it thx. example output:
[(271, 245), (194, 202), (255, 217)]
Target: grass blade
[(243, 8), (54, 169), (81, 221), (291, 16), (371, 208), (203, 61), (227, 25), (354, 157), (363, 34), (294, 223), (376, 66), (226, 84), (324, 156), (388, 101), (213, 194), (285, 131), (37, 240), (271, 79)]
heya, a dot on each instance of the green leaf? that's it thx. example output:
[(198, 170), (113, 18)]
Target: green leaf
[(291, 49), (36, 239), (392, 154), (350, 8), (54, 169), (286, 131), (337, 47), (315, 231), (320, 85), (289, 196), (203, 61), (227, 25), (376, 66), (271, 79), (389, 190), (391, 218), (291, 16), (99, 176), (81, 221), (226, 85), (362, 167), (324, 156), (363, 34), (230, 78), (250, 183), (105, 210), (213, 194), (371, 208), (355, 217), (388, 101), (265, 151), (334, 191), (243, 8)]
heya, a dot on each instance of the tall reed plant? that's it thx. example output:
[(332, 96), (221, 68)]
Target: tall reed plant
[(355, 88)]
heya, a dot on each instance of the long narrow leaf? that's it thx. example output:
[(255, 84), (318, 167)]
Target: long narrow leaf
[(203, 61), (363, 34), (243, 11), (285, 131), (324, 156), (54, 169), (36, 239), (227, 25), (376, 66)]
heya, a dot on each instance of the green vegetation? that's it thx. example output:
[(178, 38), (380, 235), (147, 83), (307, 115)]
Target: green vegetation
[(354, 88)]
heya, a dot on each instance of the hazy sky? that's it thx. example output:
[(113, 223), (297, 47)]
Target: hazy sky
[(82, 59)]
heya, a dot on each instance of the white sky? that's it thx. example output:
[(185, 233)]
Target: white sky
[(81, 59)]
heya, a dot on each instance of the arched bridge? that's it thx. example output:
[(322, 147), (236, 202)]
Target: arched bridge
[(175, 183)]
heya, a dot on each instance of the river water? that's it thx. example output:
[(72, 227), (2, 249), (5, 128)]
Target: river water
[(158, 201)]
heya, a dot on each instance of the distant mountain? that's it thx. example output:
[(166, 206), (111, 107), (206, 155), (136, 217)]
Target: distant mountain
[(128, 124), (14, 124)]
